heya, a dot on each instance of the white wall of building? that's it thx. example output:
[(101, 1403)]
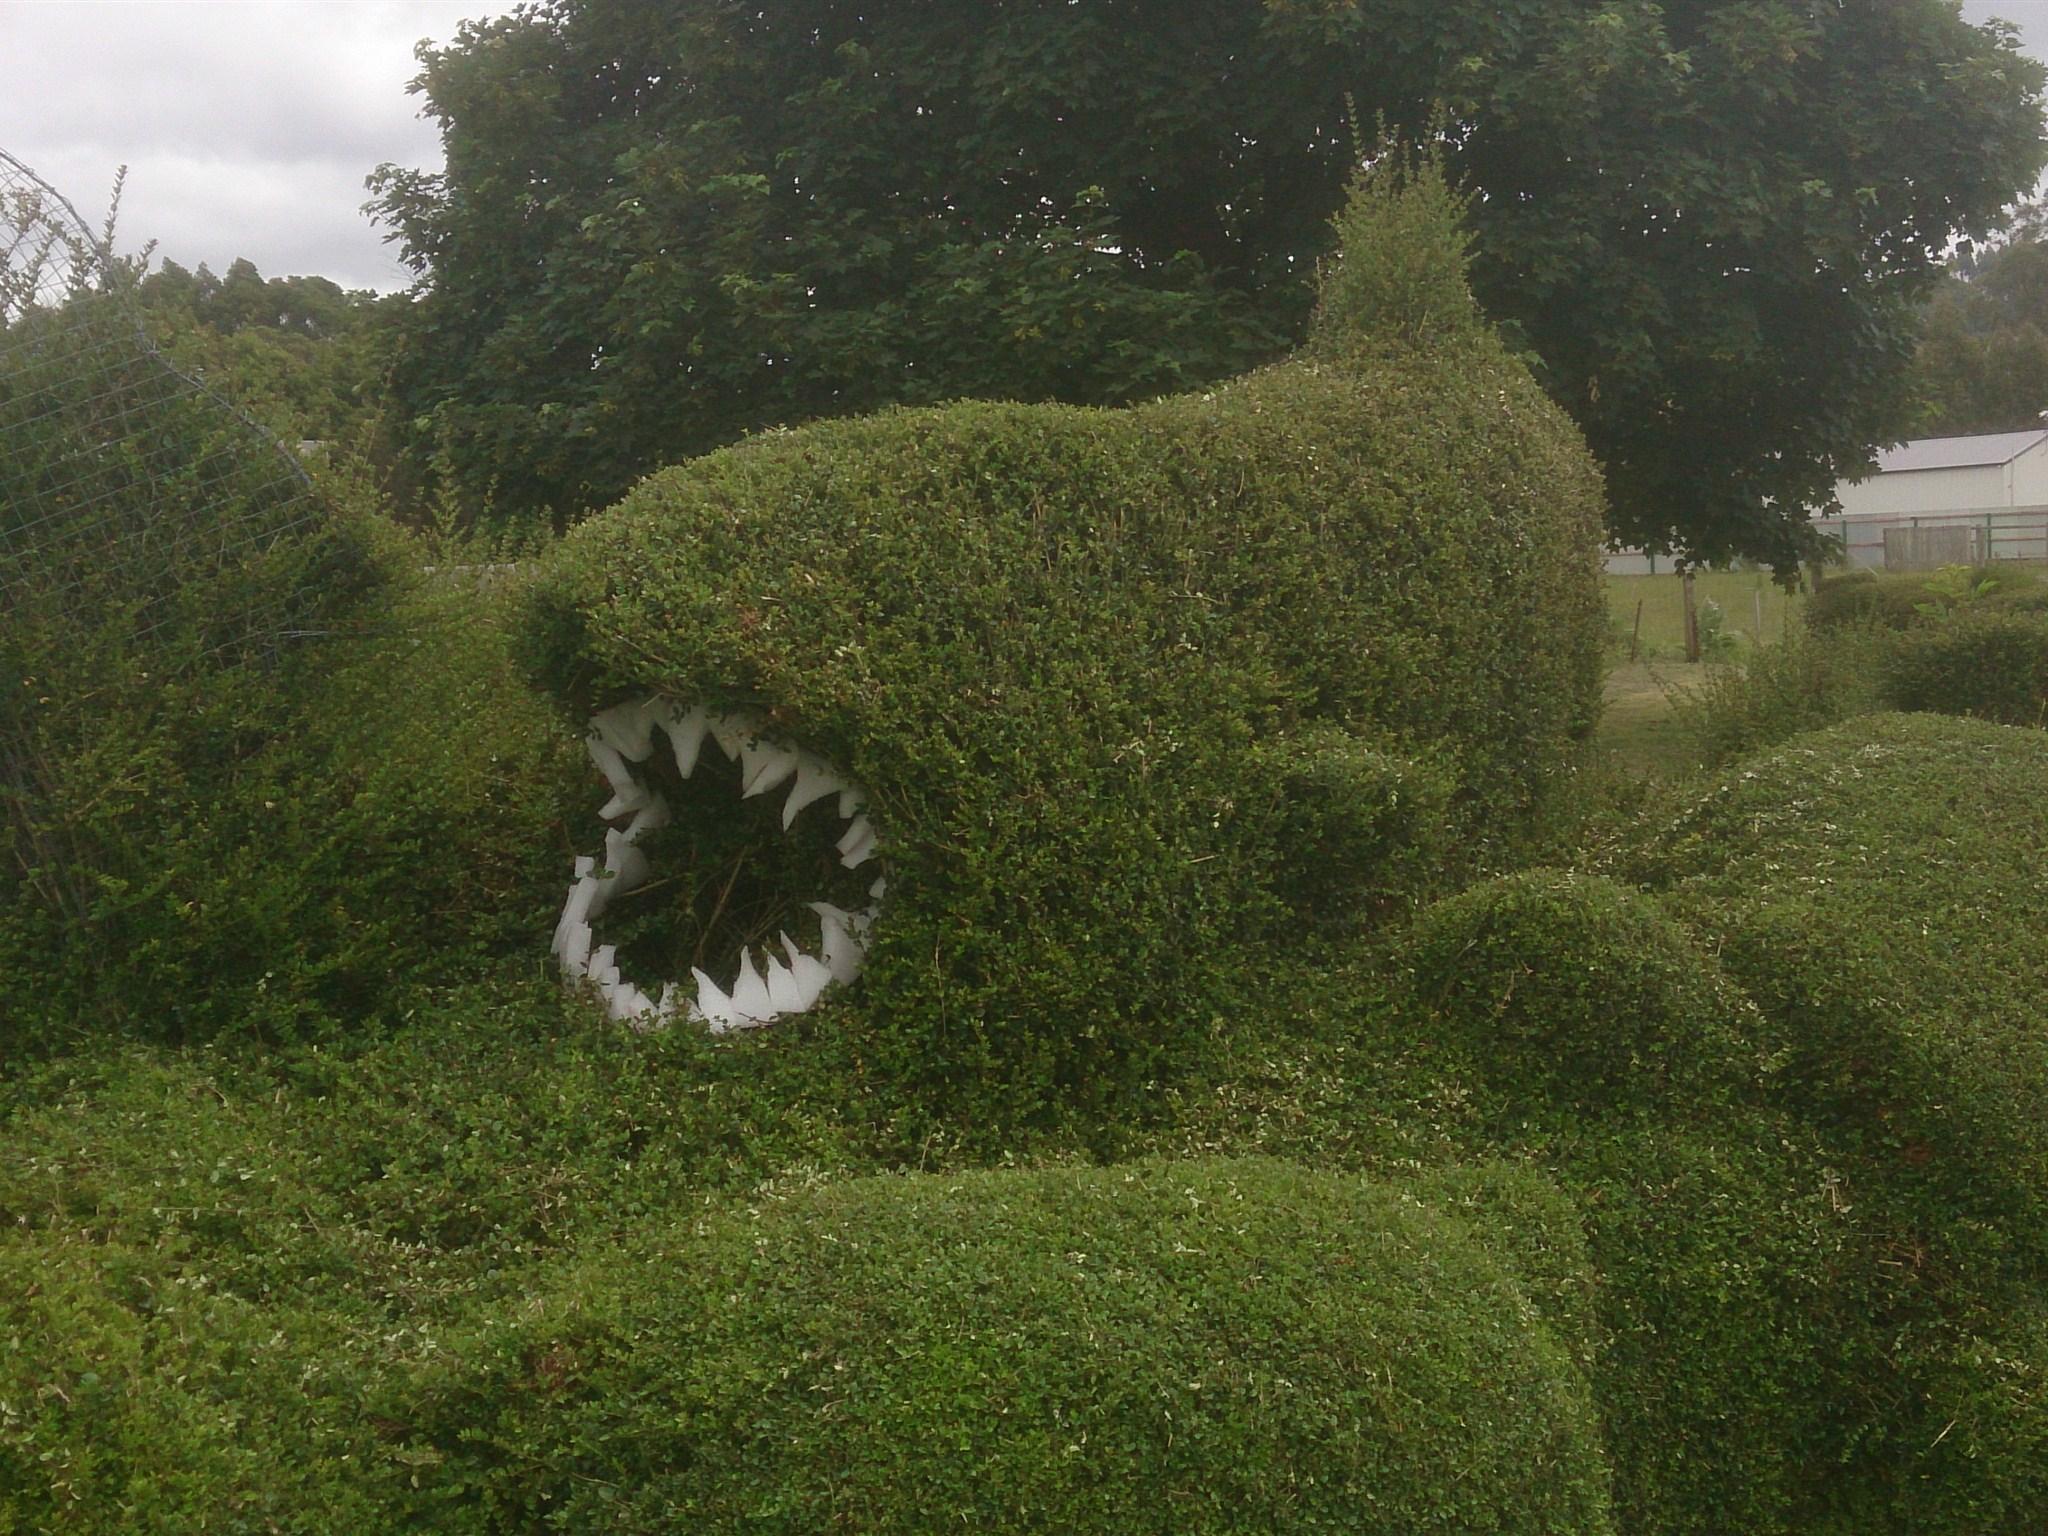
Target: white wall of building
[(1925, 492)]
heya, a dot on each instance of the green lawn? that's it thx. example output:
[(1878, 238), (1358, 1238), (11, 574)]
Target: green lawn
[(1752, 609)]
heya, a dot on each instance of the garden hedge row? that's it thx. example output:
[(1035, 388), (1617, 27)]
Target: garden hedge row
[(1877, 889), (1156, 1347), (1141, 696), (286, 849)]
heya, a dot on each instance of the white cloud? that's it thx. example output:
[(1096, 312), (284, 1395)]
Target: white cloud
[(247, 128)]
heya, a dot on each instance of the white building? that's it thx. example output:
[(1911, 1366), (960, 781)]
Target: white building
[(1948, 500)]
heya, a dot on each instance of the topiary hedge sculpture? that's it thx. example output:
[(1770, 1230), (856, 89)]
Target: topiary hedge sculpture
[(1134, 695), (1197, 1347)]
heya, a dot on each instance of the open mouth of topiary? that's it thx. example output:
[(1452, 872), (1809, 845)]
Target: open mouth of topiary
[(733, 858)]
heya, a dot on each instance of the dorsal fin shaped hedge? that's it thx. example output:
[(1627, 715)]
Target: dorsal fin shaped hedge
[(1397, 281)]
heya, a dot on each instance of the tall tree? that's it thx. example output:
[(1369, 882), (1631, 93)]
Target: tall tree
[(662, 225), (1983, 361)]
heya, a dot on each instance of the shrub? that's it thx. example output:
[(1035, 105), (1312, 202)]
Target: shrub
[(1906, 599), (1581, 1027), (1101, 669), (1811, 678), (1993, 665), (1219, 1346), (1876, 887), (282, 849)]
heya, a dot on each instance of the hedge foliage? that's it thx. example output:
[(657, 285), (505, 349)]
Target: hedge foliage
[(283, 849), (1169, 1347), (1103, 670), (1585, 1029), (1877, 889)]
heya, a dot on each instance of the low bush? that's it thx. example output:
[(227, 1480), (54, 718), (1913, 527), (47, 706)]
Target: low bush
[(1990, 664), (1170, 1347), (1103, 670), (1583, 1028), (1876, 888), (1904, 599), (1810, 679), (281, 849)]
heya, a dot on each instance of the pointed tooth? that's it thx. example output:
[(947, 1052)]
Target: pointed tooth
[(623, 801), (686, 735), (651, 817), (576, 910), (731, 732), (713, 1006), (783, 994), (750, 993), (627, 1004), (626, 864), (842, 949), (602, 964), (627, 728), (763, 765), (576, 951), (851, 799), (857, 844), (811, 974), (814, 781), (611, 765), (879, 888)]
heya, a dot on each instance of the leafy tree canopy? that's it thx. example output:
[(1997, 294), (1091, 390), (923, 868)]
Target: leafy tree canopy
[(662, 225), (1983, 361), (302, 355)]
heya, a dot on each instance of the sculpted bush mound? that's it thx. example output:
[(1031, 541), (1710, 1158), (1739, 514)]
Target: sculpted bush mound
[(1139, 697)]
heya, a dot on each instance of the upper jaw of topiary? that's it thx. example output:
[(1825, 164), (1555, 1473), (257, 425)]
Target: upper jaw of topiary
[(628, 734)]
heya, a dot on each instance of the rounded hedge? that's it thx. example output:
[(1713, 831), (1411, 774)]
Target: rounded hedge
[(1877, 888), (1184, 1348), (1104, 671)]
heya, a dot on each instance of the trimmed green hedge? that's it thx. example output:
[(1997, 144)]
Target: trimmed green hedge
[(1580, 1026), (1105, 671), (1906, 599), (1877, 888), (1166, 1347), (1993, 665), (284, 851)]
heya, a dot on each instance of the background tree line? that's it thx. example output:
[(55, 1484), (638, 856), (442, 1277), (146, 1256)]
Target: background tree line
[(1713, 225)]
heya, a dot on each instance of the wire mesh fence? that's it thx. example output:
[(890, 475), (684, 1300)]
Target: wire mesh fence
[(122, 481), (158, 551)]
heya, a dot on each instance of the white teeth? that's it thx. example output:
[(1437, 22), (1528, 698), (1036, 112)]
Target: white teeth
[(784, 996), (857, 843), (686, 735), (626, 864), (611, 765), (763, 765), (811, 974), (576, 950), (627, 728), (875, 891), (651, 817), (843, 948), (750, 999), (713, 1006), (814, 781), (623, 801), (732, 733), (764, 990)]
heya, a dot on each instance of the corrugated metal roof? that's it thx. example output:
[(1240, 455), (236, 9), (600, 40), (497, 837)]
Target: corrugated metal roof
[(1959, 452)]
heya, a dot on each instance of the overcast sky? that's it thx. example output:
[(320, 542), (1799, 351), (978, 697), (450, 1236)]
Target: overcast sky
[(247, 126)]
